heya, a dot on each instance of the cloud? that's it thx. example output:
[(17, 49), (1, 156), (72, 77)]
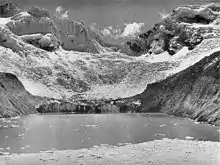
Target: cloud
[(128, 30), (62, 12), (121, 34), (132, 29)]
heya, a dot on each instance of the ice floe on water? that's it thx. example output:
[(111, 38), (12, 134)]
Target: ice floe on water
[(4, 153), (163, 125), (189, 138), (159, 134), (16, 118), (91, 126), (14, 126)]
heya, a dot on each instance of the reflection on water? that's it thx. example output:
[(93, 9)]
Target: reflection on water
[(45, 132)]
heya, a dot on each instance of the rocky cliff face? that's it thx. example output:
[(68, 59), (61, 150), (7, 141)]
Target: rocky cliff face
[(185, 26), (9, 9), (71, 35), (14, 99), (194, 92)]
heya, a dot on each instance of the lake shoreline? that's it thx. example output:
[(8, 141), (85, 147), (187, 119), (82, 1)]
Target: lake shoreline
[(148, 113), (156, 152)]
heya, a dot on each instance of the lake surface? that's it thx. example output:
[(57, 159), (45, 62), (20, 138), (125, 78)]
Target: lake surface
[(62, 132)]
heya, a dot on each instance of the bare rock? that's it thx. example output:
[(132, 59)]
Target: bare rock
[(46, 42), (8, 9), (14, 99), (38, 12)]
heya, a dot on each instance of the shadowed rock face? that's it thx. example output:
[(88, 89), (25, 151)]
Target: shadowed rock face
[(14, 99), (194, 92), (37, 12), (8, 9)]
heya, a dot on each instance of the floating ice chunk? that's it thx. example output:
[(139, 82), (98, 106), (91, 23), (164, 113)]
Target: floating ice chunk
[(50, 151), (189, 138), (163, 125), (4, 153), (14, 126), (15, 118), (160, 134), (21, 135), (93, 126), (165, 138)]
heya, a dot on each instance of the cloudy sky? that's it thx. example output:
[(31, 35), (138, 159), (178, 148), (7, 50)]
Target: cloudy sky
[(111, 12)]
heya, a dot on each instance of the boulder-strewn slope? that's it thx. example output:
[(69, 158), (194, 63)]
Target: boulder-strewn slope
[(185, 26), (14, 99), (194, 92)]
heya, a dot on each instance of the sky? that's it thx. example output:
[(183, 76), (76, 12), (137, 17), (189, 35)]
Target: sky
[(111, 12)]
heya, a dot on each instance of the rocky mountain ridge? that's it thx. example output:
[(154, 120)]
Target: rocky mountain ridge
[(63, 64), (185, 26), (53, 31)]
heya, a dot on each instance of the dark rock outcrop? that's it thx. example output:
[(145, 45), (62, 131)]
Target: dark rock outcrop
[(8, 9), (194, 92), (38, 12), (14, 99)]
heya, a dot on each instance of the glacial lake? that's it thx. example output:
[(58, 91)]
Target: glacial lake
[(37, 133)]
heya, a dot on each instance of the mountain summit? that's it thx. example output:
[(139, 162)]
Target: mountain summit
[(185, 26)]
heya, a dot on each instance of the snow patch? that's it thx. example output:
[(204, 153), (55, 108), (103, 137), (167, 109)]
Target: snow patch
[(4, 21), (39, 89)]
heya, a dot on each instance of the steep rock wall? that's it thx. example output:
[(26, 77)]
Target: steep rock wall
[(14, 99), (194, 92)]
